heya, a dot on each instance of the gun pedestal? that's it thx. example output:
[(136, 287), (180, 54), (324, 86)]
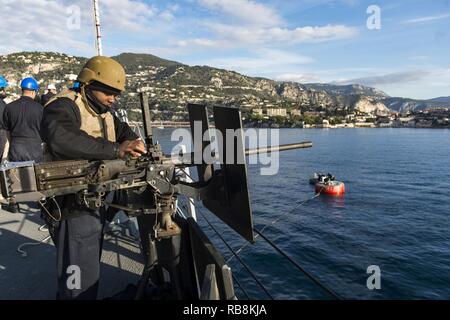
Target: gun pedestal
[(165, 226), (161, 243)]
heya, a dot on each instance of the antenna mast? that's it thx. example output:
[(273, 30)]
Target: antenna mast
[(98, 42)]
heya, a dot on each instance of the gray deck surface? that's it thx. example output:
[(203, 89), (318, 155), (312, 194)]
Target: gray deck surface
[(34, 276)]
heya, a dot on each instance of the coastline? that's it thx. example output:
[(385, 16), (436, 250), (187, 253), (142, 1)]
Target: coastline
[(173, 124), (346, 127)]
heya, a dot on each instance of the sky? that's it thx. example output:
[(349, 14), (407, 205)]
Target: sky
[(399, 47)]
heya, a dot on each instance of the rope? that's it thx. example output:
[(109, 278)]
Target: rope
[(24, 253), (44, 201), (275, 221), (239, 259), (259, 233), (235, 279), (310, 276)]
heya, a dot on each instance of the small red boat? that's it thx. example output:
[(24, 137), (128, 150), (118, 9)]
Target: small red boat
[(332, 188), (326, 184)]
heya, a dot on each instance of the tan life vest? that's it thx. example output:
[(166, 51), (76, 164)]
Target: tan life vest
[(95, 125)]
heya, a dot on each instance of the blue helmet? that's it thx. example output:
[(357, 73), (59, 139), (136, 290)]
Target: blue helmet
[(3, 82), (29, 84), (76, 85)]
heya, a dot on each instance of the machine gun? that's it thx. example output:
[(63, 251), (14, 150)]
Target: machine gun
[(152, 183)]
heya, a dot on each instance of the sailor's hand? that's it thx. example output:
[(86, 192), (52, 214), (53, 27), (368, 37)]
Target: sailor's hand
[(135, 148)]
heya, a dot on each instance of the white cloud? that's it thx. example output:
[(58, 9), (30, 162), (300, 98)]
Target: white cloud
[(440, 77), (390, 78), (200, 42), (258, 24), (168, 14), (321, 76), (428, 18), (42, 24), (299, 77), (426, 83), (284, 56), (38, 25), (126, 15), (246, 11), (239, 36), (263, 61), (282, 35)]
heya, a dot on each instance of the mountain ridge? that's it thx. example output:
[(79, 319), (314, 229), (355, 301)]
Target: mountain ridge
[(174, 83)]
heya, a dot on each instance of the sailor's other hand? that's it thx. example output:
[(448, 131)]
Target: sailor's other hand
[(132, 147)]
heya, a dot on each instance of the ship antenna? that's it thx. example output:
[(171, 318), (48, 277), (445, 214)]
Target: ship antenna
[(98, 42)]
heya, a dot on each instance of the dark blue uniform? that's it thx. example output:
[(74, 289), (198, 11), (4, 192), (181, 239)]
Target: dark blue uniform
[(46, 97), (22, 118), (2, 127), (78, 236)]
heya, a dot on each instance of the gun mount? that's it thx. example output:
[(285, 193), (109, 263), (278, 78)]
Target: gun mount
[(151, 185)]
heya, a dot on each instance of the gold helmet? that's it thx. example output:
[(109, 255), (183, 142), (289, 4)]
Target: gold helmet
[(104, 70)]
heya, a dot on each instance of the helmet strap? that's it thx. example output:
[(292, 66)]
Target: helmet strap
[(90, 100)]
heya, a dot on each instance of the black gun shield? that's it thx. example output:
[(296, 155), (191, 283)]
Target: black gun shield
[(231, 200), (197, 112)]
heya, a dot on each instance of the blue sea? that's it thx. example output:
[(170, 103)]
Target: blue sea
[(395, 215)]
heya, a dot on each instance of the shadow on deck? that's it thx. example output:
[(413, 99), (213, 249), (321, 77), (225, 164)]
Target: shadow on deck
[(34, 276)]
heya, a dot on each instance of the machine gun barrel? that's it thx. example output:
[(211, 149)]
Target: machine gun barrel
[(178, 159), (283, 147)]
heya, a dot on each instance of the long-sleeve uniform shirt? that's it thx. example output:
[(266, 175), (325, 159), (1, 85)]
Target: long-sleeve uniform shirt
[(22, 118), (2, 110), (2, 127), (61, 132)]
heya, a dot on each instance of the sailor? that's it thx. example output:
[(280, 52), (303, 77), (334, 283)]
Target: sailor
[(3, 85), (22, 119), (51, 91), (77, 125)]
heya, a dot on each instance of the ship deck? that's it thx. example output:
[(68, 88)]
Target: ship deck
[(34, 277)]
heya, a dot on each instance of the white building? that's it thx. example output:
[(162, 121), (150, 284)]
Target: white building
[(273, 112)]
